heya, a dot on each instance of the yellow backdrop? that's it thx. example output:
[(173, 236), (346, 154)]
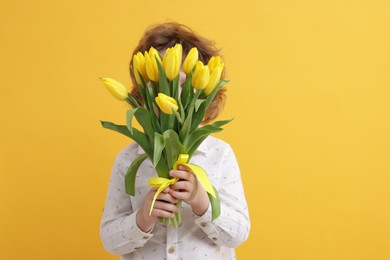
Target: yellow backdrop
[(309, 90)]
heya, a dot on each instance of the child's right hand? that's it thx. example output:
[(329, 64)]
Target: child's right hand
[(163, 207)]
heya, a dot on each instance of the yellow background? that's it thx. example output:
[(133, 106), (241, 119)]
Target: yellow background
[(309, 90)]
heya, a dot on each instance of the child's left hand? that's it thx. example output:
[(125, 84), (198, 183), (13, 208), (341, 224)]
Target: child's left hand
[(189, 190)]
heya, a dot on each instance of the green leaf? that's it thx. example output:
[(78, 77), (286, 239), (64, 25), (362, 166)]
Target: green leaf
[(159, 144), (131, 174), (129, 120), (173, 147), (166, 121), (153, 116), (185, 129), (185, 91), (198, 134), (214, 92), (190, 151), (175, 87), (143, 118), (181, 108), (171, 121), (118, 128), (137, 135), (215, 205), (154, 91), (134, 100), (222, 122), (148, 98), (198, 102), (141, 89), (156, 125), (162, 168), (162, 79), (198, 116), (188, 121)]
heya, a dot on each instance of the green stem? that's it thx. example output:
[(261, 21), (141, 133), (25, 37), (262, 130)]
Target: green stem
[(174, 221), (179, 212), (178, 117)]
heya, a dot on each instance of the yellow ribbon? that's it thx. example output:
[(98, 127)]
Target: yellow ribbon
[(161, 183)]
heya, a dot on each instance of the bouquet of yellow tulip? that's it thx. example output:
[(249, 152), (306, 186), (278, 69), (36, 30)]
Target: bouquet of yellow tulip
[(170, 118)]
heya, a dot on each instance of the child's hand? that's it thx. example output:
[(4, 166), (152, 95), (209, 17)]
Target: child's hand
[(189, 190), (164, 206)]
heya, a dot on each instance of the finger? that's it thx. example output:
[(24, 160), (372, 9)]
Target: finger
[(184, 175), (153, 191), (183, 168), (166, 197), (180, 194), (166, 190), (150, 194), (165, 206), (183, 185), (162, 213)]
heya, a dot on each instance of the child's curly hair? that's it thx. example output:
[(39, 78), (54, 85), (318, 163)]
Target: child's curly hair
[(166, 35)]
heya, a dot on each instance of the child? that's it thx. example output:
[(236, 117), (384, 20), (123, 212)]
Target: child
[(126, 227)]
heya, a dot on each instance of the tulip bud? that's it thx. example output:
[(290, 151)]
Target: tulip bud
[(214, 79), (179, 53), (151, 64), (171, 61), (115, 88), (139, 67), (201, 76), (166, 103), (215, 62), (190, 61)]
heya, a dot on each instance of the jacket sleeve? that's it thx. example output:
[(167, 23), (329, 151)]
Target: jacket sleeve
[(119, 232), (232, 227)]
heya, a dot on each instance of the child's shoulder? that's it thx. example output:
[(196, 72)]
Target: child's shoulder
[(212, 142), (129, 152)]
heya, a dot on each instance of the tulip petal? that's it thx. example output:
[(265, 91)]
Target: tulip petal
[(214, 79), (190, 60), (117, 89), (166, 103)]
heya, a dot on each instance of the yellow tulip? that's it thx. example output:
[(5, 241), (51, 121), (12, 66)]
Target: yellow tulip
[(115, 88), (215, 62), (169, 63), (166, 103), (139, 66), (172, 61), (151, 64), (179, 53), (190, 61), (201, 76), (214, 79)]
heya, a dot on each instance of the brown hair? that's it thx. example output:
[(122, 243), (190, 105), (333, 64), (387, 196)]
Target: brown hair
[(166, 35)]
